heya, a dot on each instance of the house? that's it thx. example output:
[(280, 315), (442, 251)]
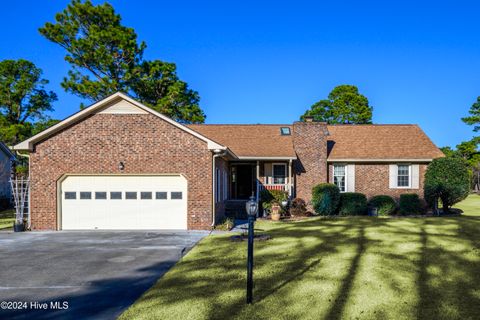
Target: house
[(6, 159), (121, 165)]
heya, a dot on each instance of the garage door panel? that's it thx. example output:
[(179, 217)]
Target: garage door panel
[(152, 211)]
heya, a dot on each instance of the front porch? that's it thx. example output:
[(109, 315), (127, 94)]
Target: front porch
[(249, 178)]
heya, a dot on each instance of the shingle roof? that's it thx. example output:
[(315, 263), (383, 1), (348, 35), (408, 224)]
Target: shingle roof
[(360, 142), (380, 142), (249, 140)]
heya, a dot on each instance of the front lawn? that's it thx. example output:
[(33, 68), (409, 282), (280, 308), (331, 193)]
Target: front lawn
[(345, 268), (7, 218)]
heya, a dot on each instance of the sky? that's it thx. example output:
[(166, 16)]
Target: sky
[(268, 61)]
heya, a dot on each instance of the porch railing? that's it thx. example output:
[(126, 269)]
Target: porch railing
[(280, 187)]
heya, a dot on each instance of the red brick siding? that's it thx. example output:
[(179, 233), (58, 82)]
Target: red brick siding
[(310, 145), (145, 143), (373, 179)]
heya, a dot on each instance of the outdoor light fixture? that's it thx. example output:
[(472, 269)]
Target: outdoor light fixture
[(252, 209), (121, 166)]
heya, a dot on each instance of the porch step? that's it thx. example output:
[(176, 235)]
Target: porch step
[(236, 209)]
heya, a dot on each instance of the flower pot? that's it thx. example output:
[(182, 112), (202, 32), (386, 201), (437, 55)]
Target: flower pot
[(275, 216), (18, 226)]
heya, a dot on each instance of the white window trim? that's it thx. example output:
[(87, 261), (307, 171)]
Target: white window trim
[(284, 170), (409, 176), (346, 175)]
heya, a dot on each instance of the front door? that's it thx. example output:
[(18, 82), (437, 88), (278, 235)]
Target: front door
[(243, 182)]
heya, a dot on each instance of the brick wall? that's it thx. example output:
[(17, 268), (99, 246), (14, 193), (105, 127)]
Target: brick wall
[(310, 143), (96, 145), (373, 179)]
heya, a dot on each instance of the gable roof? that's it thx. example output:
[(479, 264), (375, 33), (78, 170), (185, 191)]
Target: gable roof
[(380, 142), (251, 141), (116, 97)]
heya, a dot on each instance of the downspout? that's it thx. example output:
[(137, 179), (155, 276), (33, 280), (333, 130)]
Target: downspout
[(216, 153)]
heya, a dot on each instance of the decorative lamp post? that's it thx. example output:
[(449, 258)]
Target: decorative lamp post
[(252, 209)]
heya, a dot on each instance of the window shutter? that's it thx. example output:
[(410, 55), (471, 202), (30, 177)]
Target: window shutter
[(268, 173), (350, 178), (415, 176), (393, 176)]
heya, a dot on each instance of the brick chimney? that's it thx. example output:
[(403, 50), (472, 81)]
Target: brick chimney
[(310, 144)]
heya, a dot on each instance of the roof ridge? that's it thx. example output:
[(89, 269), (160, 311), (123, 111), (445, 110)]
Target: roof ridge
[(238, 124)]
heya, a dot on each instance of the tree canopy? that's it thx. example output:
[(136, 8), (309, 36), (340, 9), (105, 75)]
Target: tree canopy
[(23, 100), (345, 105), (474, 118), (105, 57)]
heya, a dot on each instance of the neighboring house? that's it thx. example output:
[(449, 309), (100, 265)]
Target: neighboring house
[(120, 165), (6, 159)]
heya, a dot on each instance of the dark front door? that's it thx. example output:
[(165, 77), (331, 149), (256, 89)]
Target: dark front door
[(243, 185)]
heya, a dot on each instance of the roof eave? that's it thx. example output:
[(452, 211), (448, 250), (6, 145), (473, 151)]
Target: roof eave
[(267, 158), (381, 160)]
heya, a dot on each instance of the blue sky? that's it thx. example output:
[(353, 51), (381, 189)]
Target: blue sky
[(268, 61)]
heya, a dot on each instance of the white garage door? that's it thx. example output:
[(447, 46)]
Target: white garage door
[(124, 202)]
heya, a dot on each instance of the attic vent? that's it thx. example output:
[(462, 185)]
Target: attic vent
[(285, 131)]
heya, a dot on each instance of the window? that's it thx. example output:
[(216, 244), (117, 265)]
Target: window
[(115, 195), (403, 175), (161, 195), (340, 177), (85, 195), (100, 195), (176, 195), (285, 131), (217, 185), (279, 173), (145, 195), (130, 195), (70, 195)]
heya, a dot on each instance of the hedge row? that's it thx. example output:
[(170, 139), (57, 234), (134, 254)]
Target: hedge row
[(327, 200)]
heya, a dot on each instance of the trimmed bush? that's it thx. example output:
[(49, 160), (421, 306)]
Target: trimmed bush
[(325, 199), (352, 204), (385, 205), (447, 179), (409, 204), (298, 207)]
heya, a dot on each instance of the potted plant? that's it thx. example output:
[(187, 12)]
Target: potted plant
[(275, 213)]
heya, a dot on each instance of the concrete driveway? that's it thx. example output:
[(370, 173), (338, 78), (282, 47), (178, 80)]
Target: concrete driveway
[(97, 274)]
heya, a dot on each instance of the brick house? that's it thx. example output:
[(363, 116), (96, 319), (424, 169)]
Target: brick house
[(120, 165)]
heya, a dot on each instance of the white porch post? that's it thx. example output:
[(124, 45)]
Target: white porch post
[(290, 178), (258, 178)]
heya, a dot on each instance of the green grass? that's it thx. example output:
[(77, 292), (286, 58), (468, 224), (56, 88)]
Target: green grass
[(344, 268), (7, 218)]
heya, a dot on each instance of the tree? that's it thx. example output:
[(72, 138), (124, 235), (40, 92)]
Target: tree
[(344, 105), (447, 179), (158, 86), (474, 118), (23, 99), (105, 57)]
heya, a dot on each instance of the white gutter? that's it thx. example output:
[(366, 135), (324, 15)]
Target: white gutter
[(216, 153), (378, 160)]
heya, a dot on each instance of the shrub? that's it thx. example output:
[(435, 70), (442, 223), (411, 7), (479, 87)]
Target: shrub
[(352, 204), (409, 204), (385, 205), (325, 199), (298, 207), (267, 197), (226, 224), (447, 179)]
